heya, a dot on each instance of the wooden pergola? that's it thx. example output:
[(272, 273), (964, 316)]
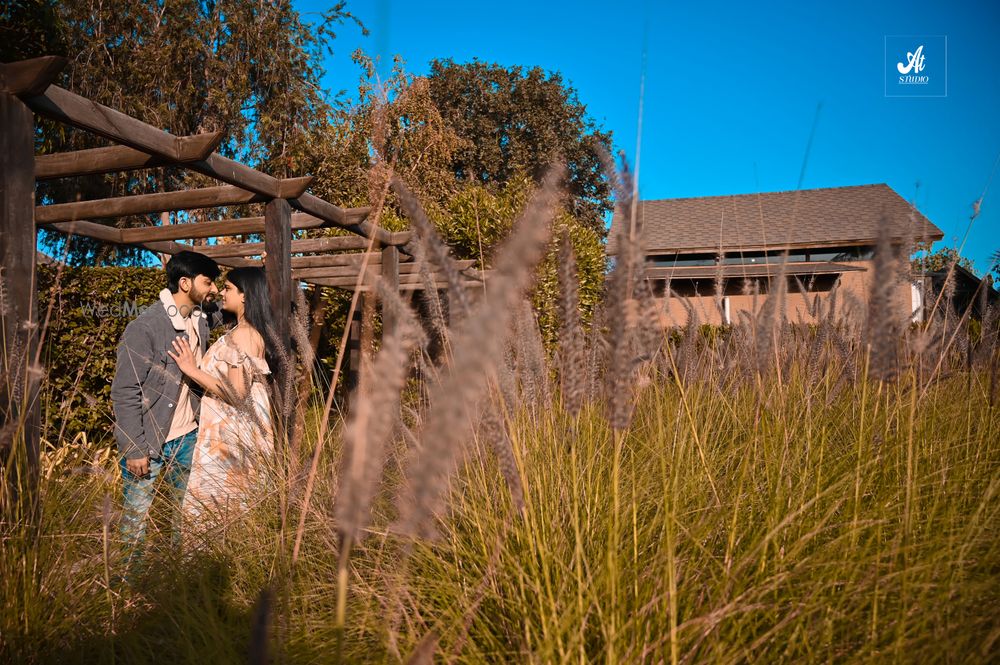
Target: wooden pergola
[(26, 90)]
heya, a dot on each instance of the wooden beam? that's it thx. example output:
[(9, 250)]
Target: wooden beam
[(113, 234), (65, 106), (170, 247), (195, 230), (404, 271), (352, 220), (329, 260), (289, 188), (329, 244), (329, 271), (62, 105), (31, 77), (20, 414), (120, 158), (208, 197), (414, 268), (218, 228), (349, 284), (93, 230)]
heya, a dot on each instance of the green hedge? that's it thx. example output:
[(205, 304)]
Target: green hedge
[(87, 314)]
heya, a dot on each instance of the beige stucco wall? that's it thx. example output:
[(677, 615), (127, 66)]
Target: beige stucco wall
[(852, 296)]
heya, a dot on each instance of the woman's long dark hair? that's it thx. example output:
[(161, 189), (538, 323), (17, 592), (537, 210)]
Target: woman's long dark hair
[(252, 283)]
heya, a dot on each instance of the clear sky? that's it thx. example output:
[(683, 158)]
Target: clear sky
[(731, 91)]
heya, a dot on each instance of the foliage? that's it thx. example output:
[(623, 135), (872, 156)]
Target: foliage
[(90, 308), (516, 121), (250, 70), (402, 125), (855, 530), (30, 28), (940, 260)]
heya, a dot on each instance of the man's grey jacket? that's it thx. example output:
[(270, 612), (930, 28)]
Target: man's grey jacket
[(147, 381)]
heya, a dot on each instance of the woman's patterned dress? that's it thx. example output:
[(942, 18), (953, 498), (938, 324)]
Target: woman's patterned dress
[(233, 443)]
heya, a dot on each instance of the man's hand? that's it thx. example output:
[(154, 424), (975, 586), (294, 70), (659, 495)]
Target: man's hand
[(138, 467)]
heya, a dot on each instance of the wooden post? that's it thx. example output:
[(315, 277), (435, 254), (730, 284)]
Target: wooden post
[(278, 245), (20, 415), (390, 273), (354, 349)]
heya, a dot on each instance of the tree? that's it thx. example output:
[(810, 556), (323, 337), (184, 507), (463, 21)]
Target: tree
[(940, 260), (408, 132), (515, 121), (251, 70)]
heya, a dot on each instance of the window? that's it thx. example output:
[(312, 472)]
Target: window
[(680, 260)]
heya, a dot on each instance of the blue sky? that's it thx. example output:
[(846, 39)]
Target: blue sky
[(731, 91)]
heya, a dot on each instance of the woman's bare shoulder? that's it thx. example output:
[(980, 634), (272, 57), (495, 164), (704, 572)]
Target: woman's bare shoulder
[(247, 340)]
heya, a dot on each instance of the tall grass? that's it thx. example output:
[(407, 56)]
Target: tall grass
[(758, 494)]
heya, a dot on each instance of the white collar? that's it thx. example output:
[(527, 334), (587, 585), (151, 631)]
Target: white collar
[(173, 312)]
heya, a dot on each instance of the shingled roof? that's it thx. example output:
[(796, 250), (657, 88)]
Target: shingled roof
[(828, 217)]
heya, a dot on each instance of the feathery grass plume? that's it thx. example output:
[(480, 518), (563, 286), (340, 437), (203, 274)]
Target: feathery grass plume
[(493, 429), (423, 653), (572, 351), (244, 404), (652, 321), (476, 351), (597, 352), (373, 417), (283, 392), (532, 367), (438, 327), (824, 313), (434, 248), (990, 332), (907, 247), (808, 306), (4, 300), (506, 380), (623, 309), (300, 325), (686, 353), (719, 284), (770, 320), (882, 327)]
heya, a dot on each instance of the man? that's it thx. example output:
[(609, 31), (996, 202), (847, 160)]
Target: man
[(156, 408)]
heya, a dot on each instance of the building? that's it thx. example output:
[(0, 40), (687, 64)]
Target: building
[(829, 236), (966, 293)]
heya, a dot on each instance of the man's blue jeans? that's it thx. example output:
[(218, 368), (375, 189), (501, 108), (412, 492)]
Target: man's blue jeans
[(168, 476)]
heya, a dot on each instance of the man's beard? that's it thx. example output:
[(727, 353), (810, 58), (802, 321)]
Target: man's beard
[(201, 299)]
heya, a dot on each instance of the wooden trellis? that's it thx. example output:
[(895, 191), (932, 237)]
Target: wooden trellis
[(26, 90)]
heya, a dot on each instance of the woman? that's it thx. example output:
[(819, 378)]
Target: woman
[(234, 432)]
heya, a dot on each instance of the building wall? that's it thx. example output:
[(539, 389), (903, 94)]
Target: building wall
[(852, 297)]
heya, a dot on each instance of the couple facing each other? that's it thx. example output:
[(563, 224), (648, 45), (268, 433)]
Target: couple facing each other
[(190, 420)]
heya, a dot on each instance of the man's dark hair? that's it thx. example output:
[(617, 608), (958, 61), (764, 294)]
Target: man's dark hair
[(189, 264)]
